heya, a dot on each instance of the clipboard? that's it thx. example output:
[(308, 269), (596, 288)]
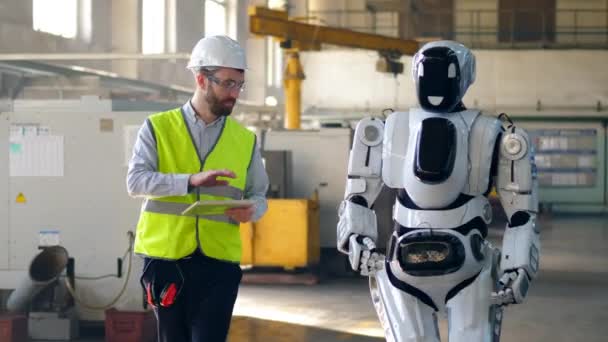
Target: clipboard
[(205, 208)]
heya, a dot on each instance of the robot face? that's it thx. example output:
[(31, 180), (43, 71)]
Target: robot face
[(438, 79)]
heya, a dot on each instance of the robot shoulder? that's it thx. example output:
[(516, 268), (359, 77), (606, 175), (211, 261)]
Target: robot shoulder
[(370, 131), (515, 144)]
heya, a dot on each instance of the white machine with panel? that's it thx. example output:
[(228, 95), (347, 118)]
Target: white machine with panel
[(62, 175)]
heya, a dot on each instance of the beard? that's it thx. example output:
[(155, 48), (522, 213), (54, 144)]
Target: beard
[(219, 107)]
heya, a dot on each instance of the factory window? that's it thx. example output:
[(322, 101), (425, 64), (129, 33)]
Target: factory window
[(215, 17), (526, 21), (153, 26), (59, 17)]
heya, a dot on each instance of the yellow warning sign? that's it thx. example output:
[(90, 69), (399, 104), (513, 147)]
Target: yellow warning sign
[(20, 198)]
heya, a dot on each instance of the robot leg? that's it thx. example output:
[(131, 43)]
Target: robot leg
[(404, 318), (471, 315)]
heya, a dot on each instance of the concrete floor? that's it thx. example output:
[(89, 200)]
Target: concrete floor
[(568, 302)]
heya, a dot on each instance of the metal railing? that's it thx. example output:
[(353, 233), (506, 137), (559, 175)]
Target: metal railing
[(518, 28), (384, 23), (564, 28)]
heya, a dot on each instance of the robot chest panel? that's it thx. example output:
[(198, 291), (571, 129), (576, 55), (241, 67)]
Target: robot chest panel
[(437, 145), (434, 163)]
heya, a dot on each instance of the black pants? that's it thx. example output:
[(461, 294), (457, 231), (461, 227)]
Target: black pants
[(203, 309)]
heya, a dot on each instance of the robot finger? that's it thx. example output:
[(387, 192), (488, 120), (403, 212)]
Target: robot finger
[(498, 301), (379, 264), (502, 297), (507, 278), (364, 256), (369, 243), (508, 297), (372, 263)]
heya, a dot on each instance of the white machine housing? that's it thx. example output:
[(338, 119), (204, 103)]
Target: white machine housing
[(86, 206)]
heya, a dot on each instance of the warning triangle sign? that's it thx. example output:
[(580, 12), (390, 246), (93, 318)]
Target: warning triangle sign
[(20, 198)]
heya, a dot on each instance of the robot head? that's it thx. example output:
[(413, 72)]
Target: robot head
[(443, 71)]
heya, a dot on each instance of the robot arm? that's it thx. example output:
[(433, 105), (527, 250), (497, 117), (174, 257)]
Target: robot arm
[(357, 227), (517, 188)]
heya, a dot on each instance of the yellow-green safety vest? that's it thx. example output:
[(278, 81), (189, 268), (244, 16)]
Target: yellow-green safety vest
[(162, 232)]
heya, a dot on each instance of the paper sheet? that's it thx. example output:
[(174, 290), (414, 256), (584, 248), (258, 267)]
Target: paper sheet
[(36, 156)]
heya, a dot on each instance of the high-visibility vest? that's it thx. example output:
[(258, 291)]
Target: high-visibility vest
[(162, 232)]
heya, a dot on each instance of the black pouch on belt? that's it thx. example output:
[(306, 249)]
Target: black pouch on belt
[(162, 280)]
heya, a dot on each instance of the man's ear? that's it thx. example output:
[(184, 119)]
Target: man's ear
[(201, 81)]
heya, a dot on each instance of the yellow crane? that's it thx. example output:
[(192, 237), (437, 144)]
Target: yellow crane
[(296, 36)]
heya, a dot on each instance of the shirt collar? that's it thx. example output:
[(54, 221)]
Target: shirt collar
[(193, 118)]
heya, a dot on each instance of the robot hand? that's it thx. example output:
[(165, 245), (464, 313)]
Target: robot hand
[(363, 255), (514, 286)]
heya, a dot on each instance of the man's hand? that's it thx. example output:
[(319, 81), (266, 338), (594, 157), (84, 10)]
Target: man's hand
[(241, 215), (209, 178)]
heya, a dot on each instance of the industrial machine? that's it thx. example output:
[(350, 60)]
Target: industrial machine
[(47, 293), (63, 166), (295, 36), (43, 296), (571, 160)]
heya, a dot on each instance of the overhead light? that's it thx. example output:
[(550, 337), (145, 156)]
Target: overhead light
[(271, 101)]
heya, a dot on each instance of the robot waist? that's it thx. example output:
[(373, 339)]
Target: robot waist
[(434, 252), (435, 264), (477, 207)]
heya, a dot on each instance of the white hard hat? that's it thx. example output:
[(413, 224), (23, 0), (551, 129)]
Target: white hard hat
[(217, 51)]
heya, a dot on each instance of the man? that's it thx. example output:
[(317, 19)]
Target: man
[(197, 152)]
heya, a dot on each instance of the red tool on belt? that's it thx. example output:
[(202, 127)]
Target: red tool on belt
[(169, 290)]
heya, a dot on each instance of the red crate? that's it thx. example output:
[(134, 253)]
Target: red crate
[(13, 328), (130, 326)]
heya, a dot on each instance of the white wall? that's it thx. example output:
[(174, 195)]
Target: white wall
[(17, 34), (116, 27), (348, 79), (519, 78)]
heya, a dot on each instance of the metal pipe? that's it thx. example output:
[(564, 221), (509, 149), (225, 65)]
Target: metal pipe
[(88, 56), (44, 269), (292, 79)]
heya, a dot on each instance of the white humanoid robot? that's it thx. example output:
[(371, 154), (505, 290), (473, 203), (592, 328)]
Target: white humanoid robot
[(443, 159)]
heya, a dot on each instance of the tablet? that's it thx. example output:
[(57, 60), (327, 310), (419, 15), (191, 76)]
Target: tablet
[(203, 208)]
